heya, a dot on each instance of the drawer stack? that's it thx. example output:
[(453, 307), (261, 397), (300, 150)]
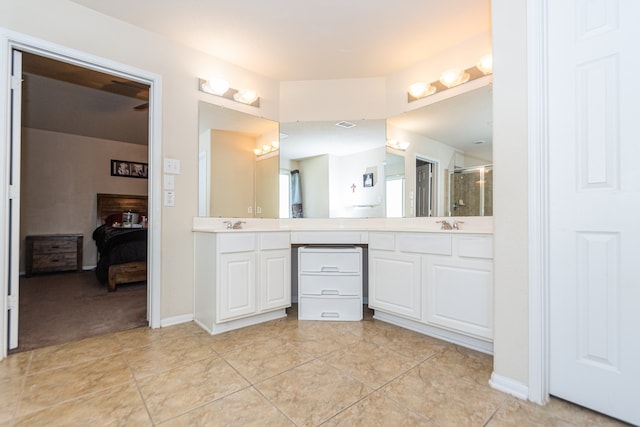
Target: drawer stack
[(330, 283), (53, 253)]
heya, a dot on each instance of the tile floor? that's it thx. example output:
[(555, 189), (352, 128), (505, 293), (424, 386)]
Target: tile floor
[(281, 373)]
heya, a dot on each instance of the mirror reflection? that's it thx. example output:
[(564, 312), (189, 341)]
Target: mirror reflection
[(446, 151), (238, 164), (333, 169)]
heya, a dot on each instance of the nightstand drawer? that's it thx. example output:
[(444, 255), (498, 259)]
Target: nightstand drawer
[(53, 253), (52, 246)]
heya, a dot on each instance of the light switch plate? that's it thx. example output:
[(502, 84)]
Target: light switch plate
[(171, 166), (169, 182), (169, 198)]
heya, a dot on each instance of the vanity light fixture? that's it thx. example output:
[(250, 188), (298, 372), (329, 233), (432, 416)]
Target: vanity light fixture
[(485, 64), (451, 78), (215, 86), (398, 145), (267, 149), (220, 87), (421, 89), (246, 96)]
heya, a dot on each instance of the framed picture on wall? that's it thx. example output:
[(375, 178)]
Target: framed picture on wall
[(129, 169), (367, 180)]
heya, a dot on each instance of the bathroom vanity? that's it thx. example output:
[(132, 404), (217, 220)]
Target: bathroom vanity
[(437, 282)]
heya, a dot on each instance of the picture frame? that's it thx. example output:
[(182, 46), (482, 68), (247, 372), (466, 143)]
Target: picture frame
[(129, 169), (367, 179)]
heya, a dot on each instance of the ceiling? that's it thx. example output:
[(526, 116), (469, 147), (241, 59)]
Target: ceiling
[(281, 39), (310, 39)]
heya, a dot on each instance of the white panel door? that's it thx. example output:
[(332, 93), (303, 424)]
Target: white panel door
[(237, 290), (275, 279), (395, 283), (594, 199)]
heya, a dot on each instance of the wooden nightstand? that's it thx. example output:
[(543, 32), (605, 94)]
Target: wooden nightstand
[(53, 253)]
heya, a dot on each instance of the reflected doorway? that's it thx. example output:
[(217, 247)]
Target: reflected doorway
[(425, 187)]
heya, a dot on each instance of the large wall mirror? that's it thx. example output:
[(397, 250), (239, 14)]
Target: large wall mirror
[(439, 158), (238, 164), (333, 169)]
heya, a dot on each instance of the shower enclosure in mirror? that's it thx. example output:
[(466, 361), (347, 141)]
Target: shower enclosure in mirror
[(470, 191), (238, 164)]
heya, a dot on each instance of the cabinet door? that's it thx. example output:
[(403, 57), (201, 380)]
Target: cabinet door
[(460, 295), (275, 279), (395, 283), (237, 286)]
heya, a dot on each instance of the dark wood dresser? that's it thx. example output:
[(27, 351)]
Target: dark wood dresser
[(53, 253)]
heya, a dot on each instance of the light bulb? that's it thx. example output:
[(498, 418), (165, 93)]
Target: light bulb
[(451, 78), (216, 86), (486, 64), (421, 89), (247, 96)]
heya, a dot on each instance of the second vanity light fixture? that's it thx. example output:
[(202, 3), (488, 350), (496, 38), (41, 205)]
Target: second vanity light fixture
[(267, 149), (220, 87), (450, 78)]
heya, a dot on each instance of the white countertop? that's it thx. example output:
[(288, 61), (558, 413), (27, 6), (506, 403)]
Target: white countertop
[(473, 224)]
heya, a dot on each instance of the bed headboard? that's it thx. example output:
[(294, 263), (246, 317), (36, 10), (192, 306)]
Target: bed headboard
[(109, 204)]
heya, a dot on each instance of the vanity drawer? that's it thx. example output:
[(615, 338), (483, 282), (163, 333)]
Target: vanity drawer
[(330, 260), (322, 285), (432, 243), (270, 241), (236, 242), (475, 246), (382, 241), (330, 308)]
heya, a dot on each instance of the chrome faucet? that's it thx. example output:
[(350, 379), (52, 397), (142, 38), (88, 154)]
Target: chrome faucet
[(445, 225), (234, 225), (456, 224)]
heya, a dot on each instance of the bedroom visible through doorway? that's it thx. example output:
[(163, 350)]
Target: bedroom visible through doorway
[(75, 122)]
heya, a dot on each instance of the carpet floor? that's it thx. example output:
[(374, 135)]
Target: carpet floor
[(65, 307)]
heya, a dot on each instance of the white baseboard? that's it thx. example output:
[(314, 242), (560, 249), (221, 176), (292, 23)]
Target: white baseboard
[(509, 386), (176, 320)]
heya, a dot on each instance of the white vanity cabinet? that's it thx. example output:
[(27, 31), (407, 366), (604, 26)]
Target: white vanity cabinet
[(330, 283), (437, 283), (241, 278), (460, 287), (397, 270)]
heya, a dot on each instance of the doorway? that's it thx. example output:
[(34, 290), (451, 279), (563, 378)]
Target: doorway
[(11, 186), (425, 187)]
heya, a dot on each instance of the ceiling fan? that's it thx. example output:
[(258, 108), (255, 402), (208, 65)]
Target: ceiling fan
[(132, 89)]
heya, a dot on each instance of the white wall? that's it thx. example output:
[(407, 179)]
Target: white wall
[(314, 181), (510, 144)]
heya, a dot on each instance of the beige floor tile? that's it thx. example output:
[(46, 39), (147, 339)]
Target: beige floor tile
[(515, 412), (73, 353), (237, 339), (120, 405), (445, 398), (163, 355), (313, 392), (377, 410), (463, 362), (409, 343), (51, 387), (264, 359), (10, 389), (317, 338), (246, 408), (179, 390), (15, 365), (144, 337), (370, 363)]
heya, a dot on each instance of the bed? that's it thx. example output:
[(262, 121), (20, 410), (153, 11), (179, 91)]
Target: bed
[(122, 252)]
